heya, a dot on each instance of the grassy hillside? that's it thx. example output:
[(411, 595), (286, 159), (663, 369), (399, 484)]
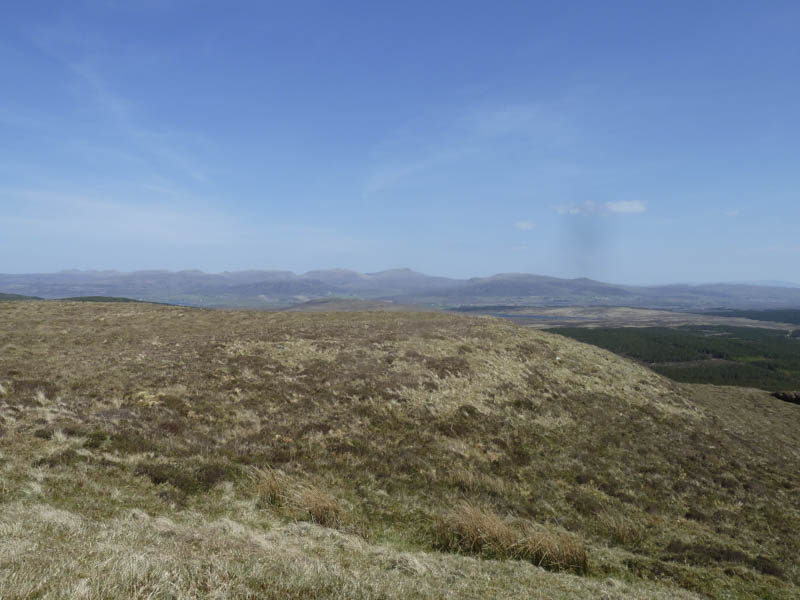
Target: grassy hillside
[(10, 297), (164, 452), (743, 356)]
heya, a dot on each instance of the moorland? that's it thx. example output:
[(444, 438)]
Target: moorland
[(168, 452)]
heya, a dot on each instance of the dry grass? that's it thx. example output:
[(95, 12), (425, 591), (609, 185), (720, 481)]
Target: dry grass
[(189, 555), (300, 500), (271, 486), (370, 423), (474, 530)]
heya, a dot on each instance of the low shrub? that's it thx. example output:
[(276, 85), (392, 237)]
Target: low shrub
[(190, 480), (60, 459), (44, 433), (95, 439), (131, 442), (172, 474)]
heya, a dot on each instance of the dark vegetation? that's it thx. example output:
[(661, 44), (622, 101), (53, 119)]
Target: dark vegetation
[(793, 397), (16, 297), (10, 297), (100, 299), (484, 308), (720, 355), (788, 315)]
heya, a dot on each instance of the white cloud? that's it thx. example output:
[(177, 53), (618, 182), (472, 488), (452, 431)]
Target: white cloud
[(732, 213), (587, 208), (593, 208), (523, 225), (626, 206)]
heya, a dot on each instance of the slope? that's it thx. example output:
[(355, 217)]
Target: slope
[(180, 452)]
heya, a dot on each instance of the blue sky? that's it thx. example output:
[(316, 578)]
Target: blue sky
[(633, 142)]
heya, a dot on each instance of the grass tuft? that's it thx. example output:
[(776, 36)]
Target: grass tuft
[(301, 500), (271, 486), (474, 530)]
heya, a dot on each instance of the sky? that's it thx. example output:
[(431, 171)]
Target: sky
[(633, 142)]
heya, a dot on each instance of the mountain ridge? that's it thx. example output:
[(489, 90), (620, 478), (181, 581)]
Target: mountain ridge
[(280, 288)]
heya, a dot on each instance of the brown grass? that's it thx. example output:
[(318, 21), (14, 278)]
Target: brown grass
[(474, 530), (271, 486), (302, 500)]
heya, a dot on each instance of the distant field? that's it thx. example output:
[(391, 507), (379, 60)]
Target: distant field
[(782, 316), (744, 356), (539, 317)]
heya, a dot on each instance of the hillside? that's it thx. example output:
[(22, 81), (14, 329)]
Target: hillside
[(160, 451), (13, 297)]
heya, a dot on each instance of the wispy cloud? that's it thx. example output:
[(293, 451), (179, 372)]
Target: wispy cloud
[(732, 212), (529, 120), (98, 90), (90, 63), (83, 215), (428, 145), (626, 206), (165, 147), (391, 175), (97, 232), (607, 208), (523, 225)]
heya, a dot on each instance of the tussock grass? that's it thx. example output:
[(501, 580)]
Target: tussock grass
[(474, 530), (271, 486), (301, 500), (188, 556), (621, 529), (321, 507), (468, 480)]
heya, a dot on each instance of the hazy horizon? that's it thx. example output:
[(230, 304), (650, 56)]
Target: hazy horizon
[(762, 283), (625, 142)]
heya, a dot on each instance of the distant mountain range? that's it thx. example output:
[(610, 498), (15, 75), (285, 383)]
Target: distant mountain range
[(273, 289)]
